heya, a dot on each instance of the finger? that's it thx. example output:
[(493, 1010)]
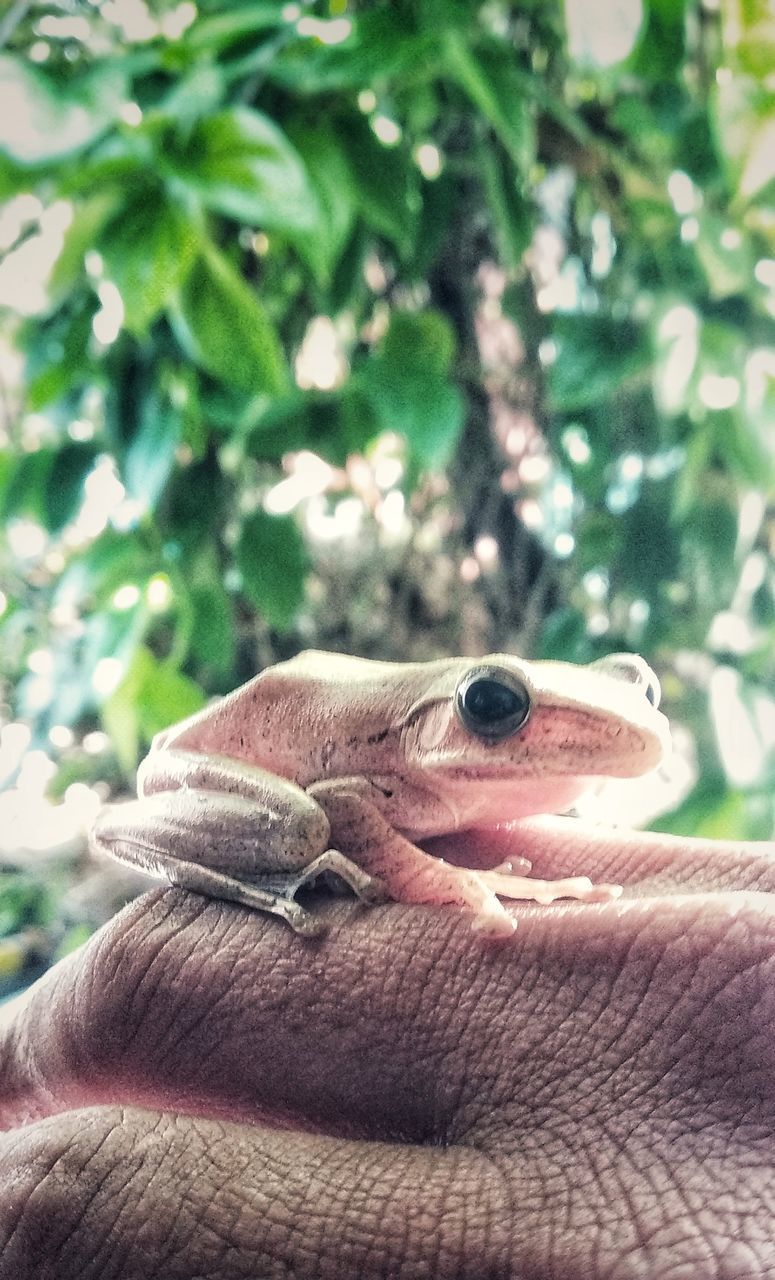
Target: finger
[(646, 863), (601, 1045), (401, 1023), (127, 1193)]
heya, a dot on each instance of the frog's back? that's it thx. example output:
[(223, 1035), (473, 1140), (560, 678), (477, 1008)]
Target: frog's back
[(312, 717)]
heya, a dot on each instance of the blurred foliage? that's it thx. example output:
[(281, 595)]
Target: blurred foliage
[(393, 328)]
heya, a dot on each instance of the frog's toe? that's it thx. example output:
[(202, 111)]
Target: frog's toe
[(373, 892), (304, 922), (496, 924)]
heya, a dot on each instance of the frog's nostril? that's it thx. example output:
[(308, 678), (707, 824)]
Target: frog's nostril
[(633, 669)]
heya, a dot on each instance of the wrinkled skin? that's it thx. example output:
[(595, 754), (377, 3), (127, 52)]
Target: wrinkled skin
[(200, 1093)]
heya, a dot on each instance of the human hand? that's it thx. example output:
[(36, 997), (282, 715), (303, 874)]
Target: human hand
[(200, 1093)]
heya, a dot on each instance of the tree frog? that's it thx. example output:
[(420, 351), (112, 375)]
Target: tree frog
[(328, 763)]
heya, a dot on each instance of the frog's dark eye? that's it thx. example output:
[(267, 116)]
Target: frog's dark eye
[(492, 703)]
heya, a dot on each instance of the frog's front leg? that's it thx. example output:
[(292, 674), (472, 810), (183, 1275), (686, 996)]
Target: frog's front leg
[(227, 830), (411, 874), (362, 832)]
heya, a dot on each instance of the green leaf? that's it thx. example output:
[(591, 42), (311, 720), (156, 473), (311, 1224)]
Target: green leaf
[(111, 633), (428, 412), (64, 491), (272, 559), (194, 96), (238, 163), (58, 350), (59, 119), (489, 77), (382, 44), (407, 384), (151, 696), (650, 548), (14, 178), (746, 453), (728, 268), (708, 549), (225, 329), (332, 423), (744, 120), (564, 636), (183, 389), (8, 463), (26, 492), (385, 184), (421, 341), (198, 500), (165, 695), (661, 46), (150, 454), (712, 809), (347, 283), (148, 250), (359, 424), (208, 35), (336, 195), (299, 420), (92, 576), (115, 166), (22, 902), (439, 201), (759, 417), (748, 34), (213, 640), (89, 217), (599, 537), (596, 357), (511, 213)]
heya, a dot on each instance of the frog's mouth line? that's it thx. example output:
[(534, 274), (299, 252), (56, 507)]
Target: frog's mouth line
[(526, 770)]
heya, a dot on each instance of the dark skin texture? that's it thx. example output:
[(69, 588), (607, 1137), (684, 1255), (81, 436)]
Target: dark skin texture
[(200, 1093)]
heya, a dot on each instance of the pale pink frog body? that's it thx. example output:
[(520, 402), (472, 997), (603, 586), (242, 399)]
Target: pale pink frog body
[(339, 764)]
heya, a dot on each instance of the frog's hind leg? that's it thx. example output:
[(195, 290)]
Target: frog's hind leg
[(216, 884), (333, 863), (276, 893), (150, 837)]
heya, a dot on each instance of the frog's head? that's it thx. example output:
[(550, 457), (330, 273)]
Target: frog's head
[(528, 737)]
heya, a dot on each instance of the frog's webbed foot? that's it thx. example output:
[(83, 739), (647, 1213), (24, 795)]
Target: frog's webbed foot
[(276, 893)]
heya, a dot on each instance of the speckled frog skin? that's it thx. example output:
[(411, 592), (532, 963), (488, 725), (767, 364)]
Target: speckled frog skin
[(345, 765)]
